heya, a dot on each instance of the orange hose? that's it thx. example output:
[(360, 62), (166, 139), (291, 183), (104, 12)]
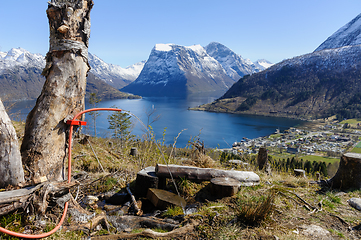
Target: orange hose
[(21, 235)]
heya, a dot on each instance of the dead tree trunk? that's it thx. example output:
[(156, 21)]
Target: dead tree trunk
[(11, 169), (44, 145), (348, 174)]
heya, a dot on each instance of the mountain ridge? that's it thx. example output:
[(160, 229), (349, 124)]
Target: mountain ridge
[(175, 70), (319, 84), (21, 79)]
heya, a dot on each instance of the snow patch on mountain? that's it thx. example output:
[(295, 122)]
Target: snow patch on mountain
[(107, 72), (175, 64), (350, 34), (337, 59), (20, 57), (234, 65), (262, 63), (163, 47)]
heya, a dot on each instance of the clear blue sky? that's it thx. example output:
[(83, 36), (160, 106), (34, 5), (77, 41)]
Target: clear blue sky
[(125, 31)]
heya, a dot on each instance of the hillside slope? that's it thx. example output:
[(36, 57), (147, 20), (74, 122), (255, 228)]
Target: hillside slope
[(314, 85)]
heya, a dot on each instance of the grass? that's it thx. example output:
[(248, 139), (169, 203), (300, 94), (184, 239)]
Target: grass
[(356, 150), (254, 209), (269, 209), (173, 211), (310, 158), (353, 121)]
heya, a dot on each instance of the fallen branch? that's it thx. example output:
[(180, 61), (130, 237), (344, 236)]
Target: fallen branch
[(137, 210), (22, 203), (20, 198), (148, 233), (304, 201), (90, 225), (95, 155)]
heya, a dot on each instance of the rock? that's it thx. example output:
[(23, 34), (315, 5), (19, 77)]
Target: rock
[(299, 172), (339, 194), (235, 162), (90, 200), (355, 203), (162, 199), (315, 232), (224, 187)]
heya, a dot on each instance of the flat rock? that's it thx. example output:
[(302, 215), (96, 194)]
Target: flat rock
[(355, 203), (315, 232)]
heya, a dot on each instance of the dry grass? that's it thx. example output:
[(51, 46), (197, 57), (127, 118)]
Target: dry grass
[(271, 209), (252, 210)]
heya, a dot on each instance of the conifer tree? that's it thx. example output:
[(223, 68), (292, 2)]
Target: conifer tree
[(121, 125)]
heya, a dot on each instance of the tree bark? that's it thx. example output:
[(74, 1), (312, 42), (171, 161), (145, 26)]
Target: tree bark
[(11, 170), (45, 141), (348, 175)]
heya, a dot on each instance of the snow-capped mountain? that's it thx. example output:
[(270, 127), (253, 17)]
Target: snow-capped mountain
[(174, 70), (20, 57), (114, 75), (348, 35), (20, 74), (319, 84), (263, 64), (235, 66)]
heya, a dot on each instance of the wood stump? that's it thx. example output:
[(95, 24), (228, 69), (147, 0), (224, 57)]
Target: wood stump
[(146, 178), (299, 172), (133, 152), (348, 175), (262, 158), (224, 187)]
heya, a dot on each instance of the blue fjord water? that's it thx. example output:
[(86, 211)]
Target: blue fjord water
[(217, 130)]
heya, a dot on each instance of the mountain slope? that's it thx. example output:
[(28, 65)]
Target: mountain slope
[(174, 70), (114, 75), (104, 90), (348, 35), (20, 76), (235, 66), (318, 84), (314, 85)]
